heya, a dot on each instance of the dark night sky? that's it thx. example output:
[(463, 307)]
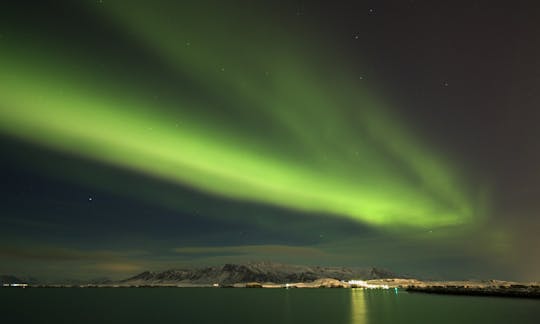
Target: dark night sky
[(145, 135)]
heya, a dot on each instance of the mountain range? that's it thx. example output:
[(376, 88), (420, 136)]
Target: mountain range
[(228, 274), (256, 272)]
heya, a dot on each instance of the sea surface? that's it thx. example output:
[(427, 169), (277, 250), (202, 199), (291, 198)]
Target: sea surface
[(213, 305)]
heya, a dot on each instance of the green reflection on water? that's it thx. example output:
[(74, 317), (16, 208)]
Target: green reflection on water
[(358, 306)]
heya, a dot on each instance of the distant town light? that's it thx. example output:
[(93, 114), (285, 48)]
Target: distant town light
[(22, 285), (364, 284)]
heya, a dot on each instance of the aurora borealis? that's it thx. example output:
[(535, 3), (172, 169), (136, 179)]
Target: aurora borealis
[(243, 129)]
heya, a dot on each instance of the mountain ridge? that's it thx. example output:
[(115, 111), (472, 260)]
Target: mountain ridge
[(10, 279), (257, 272)]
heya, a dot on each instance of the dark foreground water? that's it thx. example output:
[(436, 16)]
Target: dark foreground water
[(207, 305)]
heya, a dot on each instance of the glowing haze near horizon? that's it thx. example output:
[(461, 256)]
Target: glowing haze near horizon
[(248, 131)]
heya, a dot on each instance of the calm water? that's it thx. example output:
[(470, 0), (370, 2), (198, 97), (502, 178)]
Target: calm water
[(200, 305)]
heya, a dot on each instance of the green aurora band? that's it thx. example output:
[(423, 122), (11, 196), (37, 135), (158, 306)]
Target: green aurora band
[(262, 125)]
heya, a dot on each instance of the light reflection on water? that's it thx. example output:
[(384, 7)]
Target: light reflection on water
[(358, 306), (261, 306)]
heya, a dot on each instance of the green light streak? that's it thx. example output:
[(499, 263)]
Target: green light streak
[(323, 148)]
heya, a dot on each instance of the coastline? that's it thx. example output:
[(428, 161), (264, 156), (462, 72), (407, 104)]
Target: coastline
[(490, 288), (515, 291)]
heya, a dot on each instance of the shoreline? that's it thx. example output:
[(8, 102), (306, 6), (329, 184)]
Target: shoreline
[(490, 288), (512, 292)]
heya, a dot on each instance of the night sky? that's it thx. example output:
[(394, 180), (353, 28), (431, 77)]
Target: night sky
[(147, 135)]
